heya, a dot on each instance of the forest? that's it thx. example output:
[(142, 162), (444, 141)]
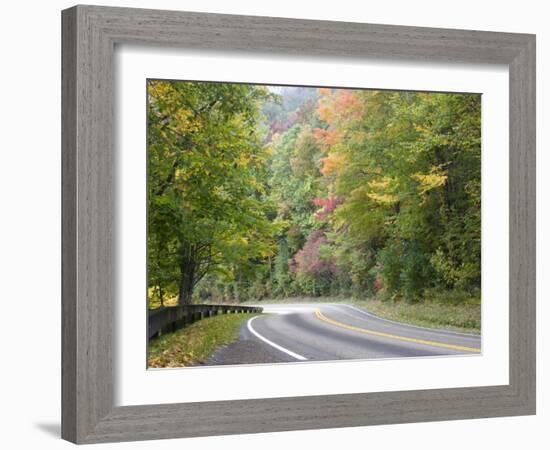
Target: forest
[(260, 193)]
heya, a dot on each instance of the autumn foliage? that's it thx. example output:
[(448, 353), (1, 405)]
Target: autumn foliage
[(273, 192)]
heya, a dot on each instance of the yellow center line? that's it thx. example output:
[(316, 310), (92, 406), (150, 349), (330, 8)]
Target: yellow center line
[(322, 317)]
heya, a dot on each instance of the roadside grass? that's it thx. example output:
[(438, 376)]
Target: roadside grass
[(465, 317), (195, 343)]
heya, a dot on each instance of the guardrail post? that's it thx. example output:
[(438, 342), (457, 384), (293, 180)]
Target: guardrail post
[(171, 318)]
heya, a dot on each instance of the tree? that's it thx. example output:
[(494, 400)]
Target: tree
[(407, 166), (205, 165)]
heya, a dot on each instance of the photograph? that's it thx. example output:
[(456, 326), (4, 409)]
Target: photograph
[(270, 225), (294, 223)]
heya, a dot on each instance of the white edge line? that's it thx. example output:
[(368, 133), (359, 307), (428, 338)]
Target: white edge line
[(267, 341), (457, 333)]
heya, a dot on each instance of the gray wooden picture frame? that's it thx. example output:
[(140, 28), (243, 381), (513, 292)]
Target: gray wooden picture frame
[(89, 37)]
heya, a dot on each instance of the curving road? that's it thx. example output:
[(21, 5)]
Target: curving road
[(331, 331)]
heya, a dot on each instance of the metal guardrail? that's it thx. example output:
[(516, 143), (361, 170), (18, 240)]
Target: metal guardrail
[(171, 318)]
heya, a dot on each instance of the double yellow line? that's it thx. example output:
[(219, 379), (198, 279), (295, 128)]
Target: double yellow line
[(322, 317)]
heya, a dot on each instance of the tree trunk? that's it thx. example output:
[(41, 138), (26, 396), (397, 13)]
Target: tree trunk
[(161, 295), (187, 273)]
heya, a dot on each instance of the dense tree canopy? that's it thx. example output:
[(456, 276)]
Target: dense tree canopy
[(258, 192), (206, 199)]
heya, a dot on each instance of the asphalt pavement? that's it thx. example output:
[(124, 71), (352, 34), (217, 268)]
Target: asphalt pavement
[(334, 331)]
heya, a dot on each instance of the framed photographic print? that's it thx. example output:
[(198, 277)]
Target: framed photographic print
[(288, 216)]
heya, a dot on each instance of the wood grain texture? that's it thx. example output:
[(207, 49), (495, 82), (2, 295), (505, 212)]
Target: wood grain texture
[(89, 36), (68, 225)]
